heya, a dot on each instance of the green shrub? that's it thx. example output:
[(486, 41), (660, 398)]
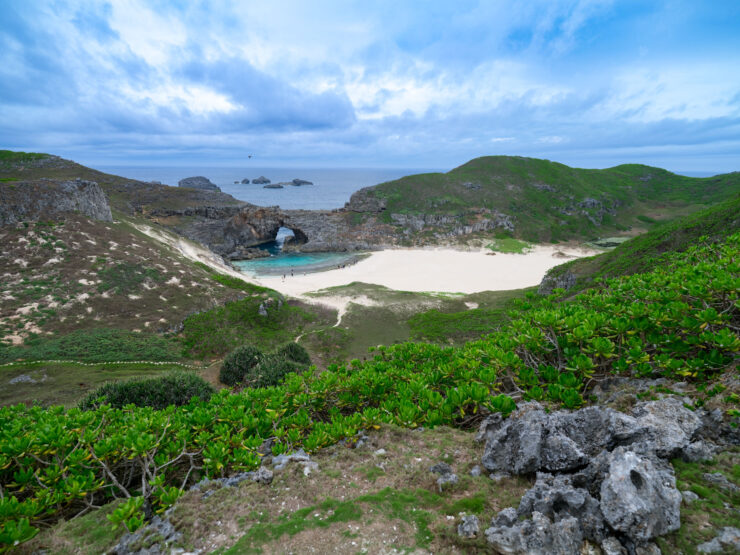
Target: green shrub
[(238, 362), (270, 371), (295, 352), (175, 388)]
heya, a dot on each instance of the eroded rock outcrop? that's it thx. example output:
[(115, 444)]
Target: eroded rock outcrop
[(602, 475), (48, 198)]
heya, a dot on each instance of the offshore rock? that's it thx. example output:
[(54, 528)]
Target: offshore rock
[(47, 198), (261, 180), (198, 182), (300, 182)]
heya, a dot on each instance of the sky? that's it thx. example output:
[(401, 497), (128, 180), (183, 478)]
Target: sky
[(381, 83)]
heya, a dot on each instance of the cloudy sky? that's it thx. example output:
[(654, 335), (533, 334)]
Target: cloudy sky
[(379, 83)]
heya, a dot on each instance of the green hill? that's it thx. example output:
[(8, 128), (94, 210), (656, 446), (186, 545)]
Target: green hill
[(548, 201), (641, 253)]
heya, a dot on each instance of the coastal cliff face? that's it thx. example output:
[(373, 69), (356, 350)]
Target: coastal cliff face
[(45, 198)]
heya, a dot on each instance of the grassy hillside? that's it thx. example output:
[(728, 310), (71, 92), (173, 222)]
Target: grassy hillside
[(643, 252), (554, 202)]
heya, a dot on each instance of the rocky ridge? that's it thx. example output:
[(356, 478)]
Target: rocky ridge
[(48, 198)]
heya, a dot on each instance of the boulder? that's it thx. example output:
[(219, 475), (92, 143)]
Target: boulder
[(469, 527), (670, 426), (538, 536), (198, 182), (556, 498), (727, 541), (639, 496), (515, 445)]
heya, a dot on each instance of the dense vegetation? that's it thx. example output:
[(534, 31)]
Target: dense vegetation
[(175, 388), (554, 202), (678, 321)]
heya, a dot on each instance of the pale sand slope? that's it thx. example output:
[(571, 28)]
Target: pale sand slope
[(438, 270)]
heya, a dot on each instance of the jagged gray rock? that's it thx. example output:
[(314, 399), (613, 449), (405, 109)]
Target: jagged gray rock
[(281, 461), (639, 496), (198, 182), (619, 482), (538, 536), (670, 426), (522, 436), (721, 481), (689, 497), (153, 539), (728, 539), (556, 498), (469, 526), (552, 280)]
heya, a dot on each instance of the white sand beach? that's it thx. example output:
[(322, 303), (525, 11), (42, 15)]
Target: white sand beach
[(437, 270)]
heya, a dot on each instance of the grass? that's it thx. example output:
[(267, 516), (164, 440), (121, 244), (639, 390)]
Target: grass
[(716, 508), (95, 345), (509, 245), (67, 383)]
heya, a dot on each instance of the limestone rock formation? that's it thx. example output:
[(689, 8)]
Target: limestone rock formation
[(602, 475), (47, 198), (198, 182)]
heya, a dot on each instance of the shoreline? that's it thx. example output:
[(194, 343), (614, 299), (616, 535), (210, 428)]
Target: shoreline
[(437, 269)]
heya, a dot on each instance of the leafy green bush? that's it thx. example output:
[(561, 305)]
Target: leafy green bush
[(295, 352), (176, 388), (237, 363), (270, 371)]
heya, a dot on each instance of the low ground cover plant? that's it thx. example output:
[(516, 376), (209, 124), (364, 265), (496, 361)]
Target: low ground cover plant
[(679, 320)]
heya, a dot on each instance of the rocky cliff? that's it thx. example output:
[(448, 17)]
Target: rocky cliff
[(46, 198)]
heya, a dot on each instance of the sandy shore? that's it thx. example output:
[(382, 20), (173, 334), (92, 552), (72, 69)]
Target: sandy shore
[(439, 270)]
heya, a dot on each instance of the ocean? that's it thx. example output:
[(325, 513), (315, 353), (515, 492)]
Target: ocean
[(331, 187)]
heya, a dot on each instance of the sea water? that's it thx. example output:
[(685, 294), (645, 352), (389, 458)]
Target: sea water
[(296, 262), (331, 187)]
